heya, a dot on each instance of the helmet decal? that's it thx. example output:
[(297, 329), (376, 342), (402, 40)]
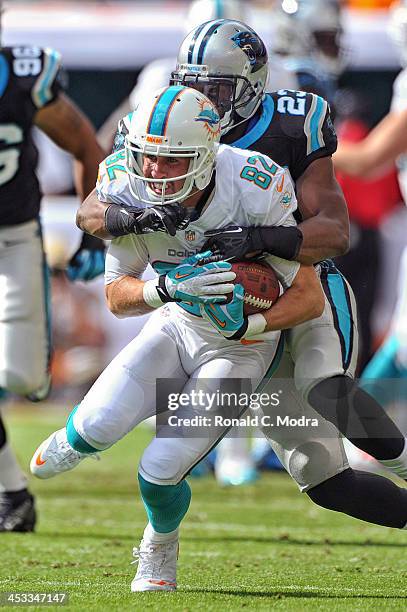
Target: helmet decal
[(254, 48), (209, 117)]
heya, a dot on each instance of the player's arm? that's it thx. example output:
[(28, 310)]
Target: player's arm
[(68, 127), (125, 297), (90, 217), (302, 301), (325, 226), (380, 148)]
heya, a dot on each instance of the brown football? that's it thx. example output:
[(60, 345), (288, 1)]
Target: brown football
[(260, 282)]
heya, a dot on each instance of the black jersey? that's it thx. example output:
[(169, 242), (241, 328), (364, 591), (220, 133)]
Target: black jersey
[(292, 127), (29, 80)]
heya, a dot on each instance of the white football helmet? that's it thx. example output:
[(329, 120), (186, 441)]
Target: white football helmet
[(398, 28), (227, 61), (310, 29), (173, 122)]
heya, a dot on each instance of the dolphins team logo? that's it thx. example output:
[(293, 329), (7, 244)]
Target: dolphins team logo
[(209, 118), (250, 44)]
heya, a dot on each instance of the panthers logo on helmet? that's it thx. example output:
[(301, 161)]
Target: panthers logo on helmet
[(209, 117), (254, 48)]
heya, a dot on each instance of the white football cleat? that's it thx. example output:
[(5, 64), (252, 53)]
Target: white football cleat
[(157, 566), (55, 455)]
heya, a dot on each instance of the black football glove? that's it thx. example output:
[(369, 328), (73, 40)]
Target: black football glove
[(166, 218), (122, 220), (233, 241)]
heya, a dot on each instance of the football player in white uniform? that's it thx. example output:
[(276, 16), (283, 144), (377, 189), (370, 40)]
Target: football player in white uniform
[(196, 342), (234, 464)]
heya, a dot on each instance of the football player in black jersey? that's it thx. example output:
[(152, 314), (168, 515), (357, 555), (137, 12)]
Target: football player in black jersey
[(228, 62), (31, 93)]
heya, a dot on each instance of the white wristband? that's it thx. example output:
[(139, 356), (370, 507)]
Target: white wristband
[(256, 325), (150, 293)]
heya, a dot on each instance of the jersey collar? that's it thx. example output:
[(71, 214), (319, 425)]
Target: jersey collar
[(256, 128)]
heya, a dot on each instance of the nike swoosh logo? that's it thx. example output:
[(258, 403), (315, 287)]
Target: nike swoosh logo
[(234, 231), (178, 276), (280, 185), (221, 324), (39, 461)]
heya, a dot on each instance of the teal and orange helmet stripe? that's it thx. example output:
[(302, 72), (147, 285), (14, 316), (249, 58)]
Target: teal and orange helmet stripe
[(157, 123)]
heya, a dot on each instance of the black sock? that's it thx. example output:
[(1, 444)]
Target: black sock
[(358, 416), (365, 496), (16, 497), (3, 437)]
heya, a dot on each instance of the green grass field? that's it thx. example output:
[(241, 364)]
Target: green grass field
[(259, 547)]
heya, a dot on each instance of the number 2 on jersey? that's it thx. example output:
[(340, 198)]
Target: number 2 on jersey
[(113, 166), (261, 178), (291, 105)]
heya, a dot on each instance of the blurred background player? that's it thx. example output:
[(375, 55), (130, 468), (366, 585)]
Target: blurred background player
[(308, 43), (31, 93)]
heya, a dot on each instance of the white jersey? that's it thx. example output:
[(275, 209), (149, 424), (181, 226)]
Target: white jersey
[(399, 103), (250, 190)]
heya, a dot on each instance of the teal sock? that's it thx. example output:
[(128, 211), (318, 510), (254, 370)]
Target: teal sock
[(166, 505), (74, 439)]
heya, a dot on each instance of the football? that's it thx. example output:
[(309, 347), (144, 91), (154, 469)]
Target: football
[(260, 282)]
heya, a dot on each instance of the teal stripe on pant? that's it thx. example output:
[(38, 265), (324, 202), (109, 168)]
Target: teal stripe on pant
[(74, 439), (166, 505)]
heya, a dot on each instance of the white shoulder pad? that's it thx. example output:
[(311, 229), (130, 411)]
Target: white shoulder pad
[(112, 183)]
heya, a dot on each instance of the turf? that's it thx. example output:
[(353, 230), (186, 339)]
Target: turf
[(258, 547)]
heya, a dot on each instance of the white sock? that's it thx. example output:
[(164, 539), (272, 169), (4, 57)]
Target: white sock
[(159, 538), (12, 478), (399, 464)]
